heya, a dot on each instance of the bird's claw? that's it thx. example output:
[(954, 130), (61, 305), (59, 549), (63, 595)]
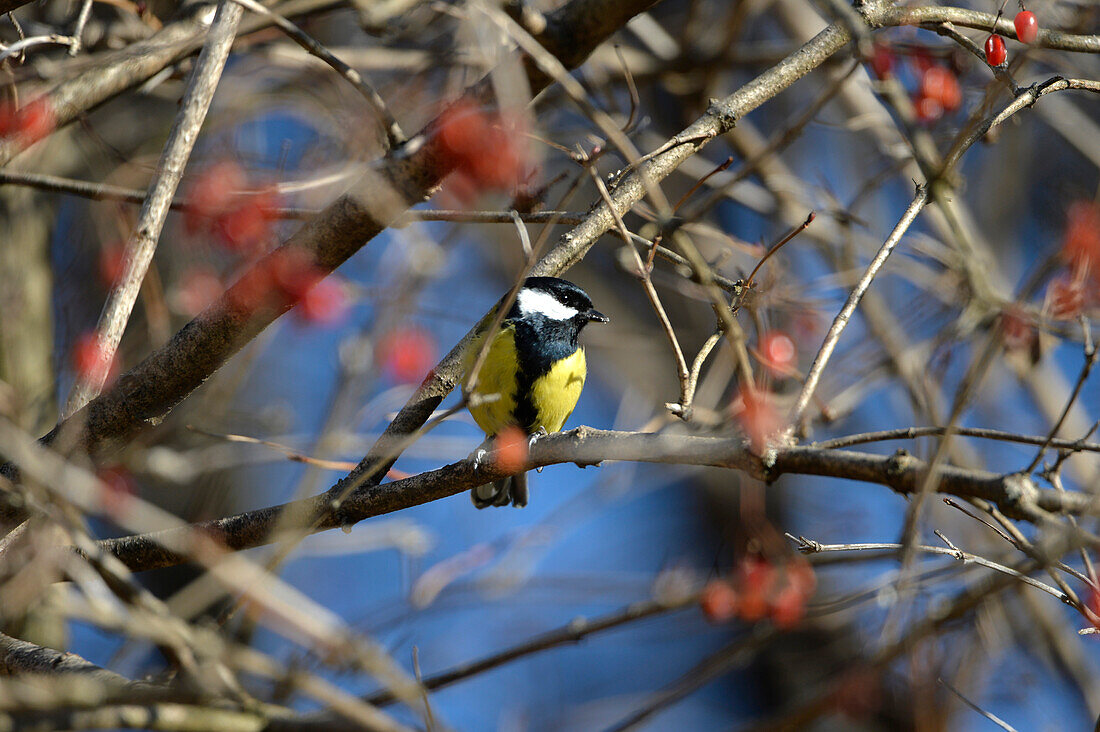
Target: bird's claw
[(532, 439), (477, 458)]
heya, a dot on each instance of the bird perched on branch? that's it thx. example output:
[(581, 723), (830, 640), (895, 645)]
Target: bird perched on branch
[(532, 373)]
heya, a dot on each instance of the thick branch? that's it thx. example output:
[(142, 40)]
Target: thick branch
[(1015, 494)]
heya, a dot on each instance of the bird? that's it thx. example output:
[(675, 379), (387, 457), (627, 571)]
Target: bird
[(532, 375)]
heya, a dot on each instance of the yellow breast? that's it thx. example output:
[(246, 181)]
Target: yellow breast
[(494, 397), (556, 392)]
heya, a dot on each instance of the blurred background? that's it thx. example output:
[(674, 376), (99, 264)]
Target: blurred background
[(1005, 256)]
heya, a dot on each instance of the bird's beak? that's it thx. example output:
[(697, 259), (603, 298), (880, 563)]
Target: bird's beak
[(597, 316)]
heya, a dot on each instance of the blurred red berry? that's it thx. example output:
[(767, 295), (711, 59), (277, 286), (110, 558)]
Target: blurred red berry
[(857, 696), (801, 576), (718, 601), (117, 490), (1081, 241), (1027, 26), (112, 263), (787, 607), (463, 130), (407, 354), (942, 85), (511, 446), (1017, 329), (220, 204), (29, 123), (293, 272), (928, 109), (1093, 604), (995, 51), (882, 60), (757, 416), (922, 59), (325, 302), (778, 353), (254, 288), (244, 227), (754, 578), (1065, 298), (210, 194), (90, 362), (197, 288), (485, 151)]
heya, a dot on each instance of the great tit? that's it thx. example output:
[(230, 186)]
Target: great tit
[(533, 373)]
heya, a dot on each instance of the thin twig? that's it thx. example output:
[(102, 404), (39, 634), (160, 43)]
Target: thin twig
[(394, 136), (642, 274), (846, 312), (808, 546), (1091, 355), (909, 433), (988, 715), (143, 242)]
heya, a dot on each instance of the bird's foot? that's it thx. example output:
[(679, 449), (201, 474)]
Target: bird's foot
[(478, 457), (532, 439)]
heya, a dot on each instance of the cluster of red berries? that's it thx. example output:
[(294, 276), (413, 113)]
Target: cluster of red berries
[(758, 589), (1069, 294), (1027, 31), (223, 203), (938, 90), (485, 151), (287, 277)]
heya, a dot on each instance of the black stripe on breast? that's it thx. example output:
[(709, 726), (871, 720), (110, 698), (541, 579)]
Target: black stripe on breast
[(540, 342)]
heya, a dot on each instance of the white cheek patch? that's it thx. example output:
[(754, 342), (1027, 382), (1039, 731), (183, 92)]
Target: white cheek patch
[(538, 302)]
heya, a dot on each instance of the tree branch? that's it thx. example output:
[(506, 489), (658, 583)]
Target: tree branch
[(1015, 494)]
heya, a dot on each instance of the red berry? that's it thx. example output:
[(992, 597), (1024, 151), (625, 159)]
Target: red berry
[(718, 601), (198, 287), (292, 271), (484, 151), (801, 575), (117, 490), (755, 578), (995, 52), (1081, 241), (1066, 298), (940, 84), (928, 109), (211, 194), (89, 361), (757, 416), (1017, 329), (511, 448), (407, 354), (30, 123), (778, 353), (787, 607), (882, 61), (1027, 27), (1093, 604), (324, 302), (112, 263)]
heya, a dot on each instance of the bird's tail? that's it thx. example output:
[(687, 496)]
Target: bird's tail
[(512, 489)]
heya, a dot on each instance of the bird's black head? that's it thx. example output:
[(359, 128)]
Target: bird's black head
[(555, 299)]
